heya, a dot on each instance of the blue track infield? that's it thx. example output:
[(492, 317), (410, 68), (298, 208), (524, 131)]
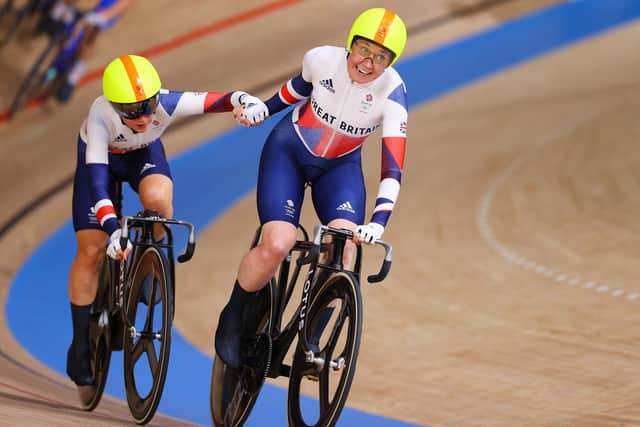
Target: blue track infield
[(37, 305)]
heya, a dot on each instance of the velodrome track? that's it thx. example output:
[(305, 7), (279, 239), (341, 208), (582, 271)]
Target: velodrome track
[(512, 298)]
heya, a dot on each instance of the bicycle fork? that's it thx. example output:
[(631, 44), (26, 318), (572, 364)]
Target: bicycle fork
[(310, 356)]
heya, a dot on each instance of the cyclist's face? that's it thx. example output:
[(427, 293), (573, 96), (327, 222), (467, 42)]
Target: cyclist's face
[(139, 124), (367, 61)]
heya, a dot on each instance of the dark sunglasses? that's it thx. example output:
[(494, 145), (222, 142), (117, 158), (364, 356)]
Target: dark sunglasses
[(135, 110)]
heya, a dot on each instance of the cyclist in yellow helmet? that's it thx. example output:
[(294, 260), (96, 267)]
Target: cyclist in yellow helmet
[(120, 141), (340, 97)]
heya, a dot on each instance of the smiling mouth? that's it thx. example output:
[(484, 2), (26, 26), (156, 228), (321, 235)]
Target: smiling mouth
[(363, 71)]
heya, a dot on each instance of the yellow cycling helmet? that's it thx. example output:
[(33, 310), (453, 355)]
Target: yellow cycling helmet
[(132, 84), (381, 26)]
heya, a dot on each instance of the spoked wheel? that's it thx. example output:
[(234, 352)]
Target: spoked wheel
[(146, 346), (326, 376), (234, 391)]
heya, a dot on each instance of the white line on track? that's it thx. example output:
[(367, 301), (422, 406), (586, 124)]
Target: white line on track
[(482, 221)]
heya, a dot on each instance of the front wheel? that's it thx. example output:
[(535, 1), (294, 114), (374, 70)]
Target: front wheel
[(147, 343), (324, 374), (234, 392)]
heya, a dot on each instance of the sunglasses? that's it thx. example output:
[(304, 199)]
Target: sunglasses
[(135, 110)]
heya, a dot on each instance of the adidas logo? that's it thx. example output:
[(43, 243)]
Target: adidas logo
[(147, 166), (120, 138), (327, 84), (346, 206)]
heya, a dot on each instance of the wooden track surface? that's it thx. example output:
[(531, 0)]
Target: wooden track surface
[(513, 295)]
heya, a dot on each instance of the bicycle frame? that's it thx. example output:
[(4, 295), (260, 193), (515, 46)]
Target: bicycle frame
[(143, 238), (285, 284)]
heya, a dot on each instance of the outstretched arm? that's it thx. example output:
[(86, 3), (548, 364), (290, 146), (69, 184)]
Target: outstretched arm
[(178, 104), (292, 92)]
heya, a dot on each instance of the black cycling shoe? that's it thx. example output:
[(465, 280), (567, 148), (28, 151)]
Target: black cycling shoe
[(79, 366), (233, 325), (229, 337)]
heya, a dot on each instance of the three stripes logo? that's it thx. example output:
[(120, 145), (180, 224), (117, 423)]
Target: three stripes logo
[(328, 85), (346, 206), (120, 138)]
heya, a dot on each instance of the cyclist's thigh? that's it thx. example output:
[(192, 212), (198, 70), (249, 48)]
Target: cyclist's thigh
[(155, 189), (340, 192), (280, 190), (84, 214), (134, 166)]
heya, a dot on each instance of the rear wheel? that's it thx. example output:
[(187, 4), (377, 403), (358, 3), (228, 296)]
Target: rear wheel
[(320, 381), (146, 347), (234, 391)]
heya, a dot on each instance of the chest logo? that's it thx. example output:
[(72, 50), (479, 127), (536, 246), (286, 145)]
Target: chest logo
[(328, 85)]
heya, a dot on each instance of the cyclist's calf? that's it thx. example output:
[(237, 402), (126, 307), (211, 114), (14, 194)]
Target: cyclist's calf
[(86, 266)]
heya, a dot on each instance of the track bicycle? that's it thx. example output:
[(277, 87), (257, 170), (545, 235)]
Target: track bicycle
[(327, 324), (133, 312), (49, 71), (29, 18)]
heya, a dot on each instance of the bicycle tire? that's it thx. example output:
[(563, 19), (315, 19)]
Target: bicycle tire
[(100, 341), (36, 81), (143, 405), (330, 393), (6, 7), (234, 391), (17, 20)]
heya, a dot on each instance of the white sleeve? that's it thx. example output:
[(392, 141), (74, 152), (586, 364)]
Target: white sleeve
[(98, 137), (309, 62)]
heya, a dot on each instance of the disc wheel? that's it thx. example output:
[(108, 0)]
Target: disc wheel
[(146, 347), (318, 389), (234, 391)]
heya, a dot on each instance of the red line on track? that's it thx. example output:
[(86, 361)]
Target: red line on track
[(37, 396), (185, 39)]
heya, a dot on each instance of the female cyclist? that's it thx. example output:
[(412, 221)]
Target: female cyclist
[(342, 97), (120, 140)]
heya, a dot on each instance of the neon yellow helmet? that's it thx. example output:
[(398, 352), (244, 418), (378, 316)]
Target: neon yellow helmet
[(381, 26), (132, 84)]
